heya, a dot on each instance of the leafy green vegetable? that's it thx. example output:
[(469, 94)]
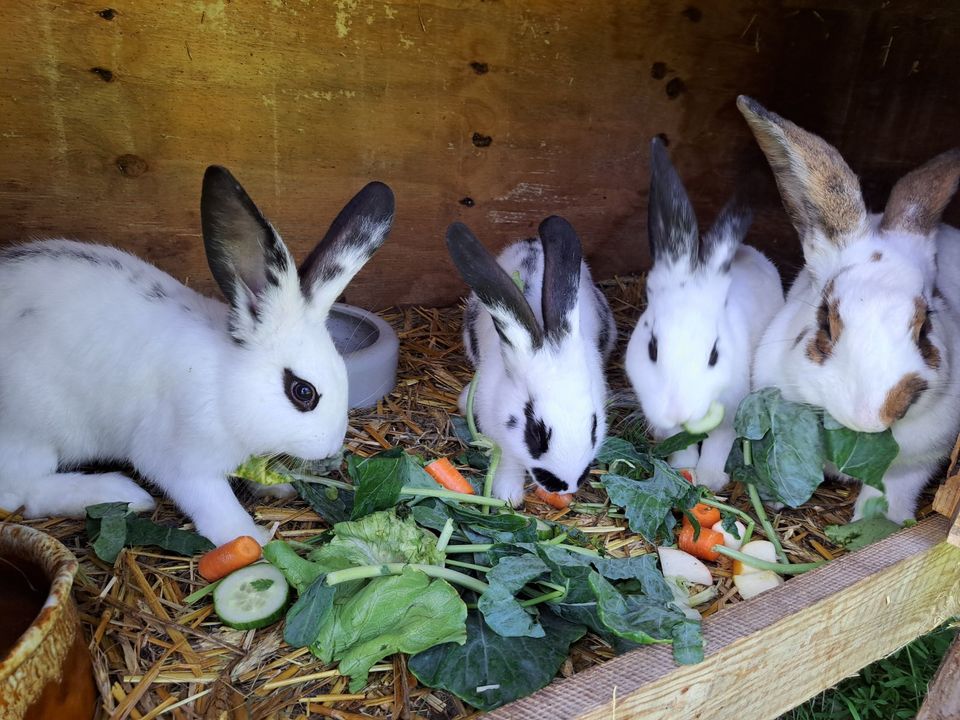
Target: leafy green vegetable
[(501, 610), (676, 443), (635, 617), (377, 539), (377, 479), (332, 504), (401, 613), (873, 526), (490, 670), (647, 503), (865, 456), (687, 642), (787, 445), (308, 614), (111, 527), (297, 571), (617, 451)]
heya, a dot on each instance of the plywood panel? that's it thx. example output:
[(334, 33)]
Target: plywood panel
[(109, 112)]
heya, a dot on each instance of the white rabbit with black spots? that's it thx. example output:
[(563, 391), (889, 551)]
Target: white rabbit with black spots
[(105, 357), (709, 299), (539, 355), (870, 330)]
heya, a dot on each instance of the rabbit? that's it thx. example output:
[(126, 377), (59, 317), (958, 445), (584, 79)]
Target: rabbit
[(539, 355), (709, 299), (106, 357), (869, 331)]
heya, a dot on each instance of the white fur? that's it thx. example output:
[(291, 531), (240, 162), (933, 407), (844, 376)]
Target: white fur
[(688, 310), (875, 350), (94, 366), (565, 380)]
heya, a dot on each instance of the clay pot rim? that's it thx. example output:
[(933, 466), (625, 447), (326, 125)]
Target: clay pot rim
[(60, 565)]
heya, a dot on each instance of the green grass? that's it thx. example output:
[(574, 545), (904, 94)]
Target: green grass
[(890, 689)]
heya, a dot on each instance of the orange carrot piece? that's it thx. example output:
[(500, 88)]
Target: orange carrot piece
[(707, 516), (554, 500), (686, 475), (702, 547), (221, 561), (443, 471)]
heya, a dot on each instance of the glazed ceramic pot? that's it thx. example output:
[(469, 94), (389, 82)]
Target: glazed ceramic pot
[(47, 672)]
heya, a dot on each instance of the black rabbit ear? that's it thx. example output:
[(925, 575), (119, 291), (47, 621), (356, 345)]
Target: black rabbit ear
[(671, 223), (512, 315), (719, 245), (561, 277), (355, 235), (244, 252)]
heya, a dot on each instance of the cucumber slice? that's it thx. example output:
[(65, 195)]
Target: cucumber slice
[(251, 597), (708, 422)]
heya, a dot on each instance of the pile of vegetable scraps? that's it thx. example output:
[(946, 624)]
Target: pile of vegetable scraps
[(485, 600)]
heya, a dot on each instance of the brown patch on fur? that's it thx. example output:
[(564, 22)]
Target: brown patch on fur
[(877, 256), (901, 397), (920, 328), (818, 188), (829, 327), (919, 198)]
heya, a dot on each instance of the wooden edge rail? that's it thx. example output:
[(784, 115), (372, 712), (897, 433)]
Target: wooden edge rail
[(947, 500), (767, 655)]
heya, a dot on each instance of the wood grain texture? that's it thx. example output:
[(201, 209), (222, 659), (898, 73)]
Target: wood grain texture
[(767, 655), (943, 695), (947, 500), (526, 108)]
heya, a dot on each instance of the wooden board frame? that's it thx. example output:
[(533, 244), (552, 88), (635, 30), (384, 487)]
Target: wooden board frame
[(767, 655)]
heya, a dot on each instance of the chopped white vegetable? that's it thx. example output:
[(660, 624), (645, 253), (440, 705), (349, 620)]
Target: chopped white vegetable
[(729, 539), (677, 563), (753, 583), (708, 422), (761, 550)]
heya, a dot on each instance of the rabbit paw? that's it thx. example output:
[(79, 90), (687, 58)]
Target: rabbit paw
[(711, 478), (283, 490), (509, 489)]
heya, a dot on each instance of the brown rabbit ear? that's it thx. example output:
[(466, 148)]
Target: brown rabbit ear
[(819, 190), (919, 198)]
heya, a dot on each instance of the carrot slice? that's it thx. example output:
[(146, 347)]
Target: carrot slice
[(555, 500), (443, 471), (686, 474), (702, 547), (707, 516), (221, 561)]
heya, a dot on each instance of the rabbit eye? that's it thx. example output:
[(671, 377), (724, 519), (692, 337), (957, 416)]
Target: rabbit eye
[(714, 355), (301, 393), (652, 348)]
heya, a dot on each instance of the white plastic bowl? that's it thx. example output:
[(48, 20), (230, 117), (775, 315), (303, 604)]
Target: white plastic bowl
[(370, 349)]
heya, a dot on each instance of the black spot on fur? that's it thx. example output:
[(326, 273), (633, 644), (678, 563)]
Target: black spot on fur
[(155, 292), (329, 271), (548, 480), (512, 421), (603, 339), (593, 431), (535, 433), (186, 308), (530, 259), (40, 250), (27, 312), (800, 337), (470, 317)]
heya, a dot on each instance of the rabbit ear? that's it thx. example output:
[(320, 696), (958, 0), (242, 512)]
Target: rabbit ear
[(244, 252), (355, 235), (919, 198), (819, 190), (561, 277), (512, 316), (671, 223), (720, 244)]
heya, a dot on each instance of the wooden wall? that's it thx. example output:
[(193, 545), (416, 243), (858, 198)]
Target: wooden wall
[(493, 112)]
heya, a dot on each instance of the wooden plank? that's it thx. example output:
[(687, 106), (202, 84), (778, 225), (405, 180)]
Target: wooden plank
[(947, 500), (110, 111), (769, 654), (943, 695)]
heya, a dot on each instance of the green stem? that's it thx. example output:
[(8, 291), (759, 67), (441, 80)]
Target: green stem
[(445, 535), (320, 480), (468, 566), (488, 478), (364, 572), (546, 597), (736, 512), (451, 495), (458, 549), (703, 596), (471, 394), (201, 593), (765, 522), (778, 568)]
